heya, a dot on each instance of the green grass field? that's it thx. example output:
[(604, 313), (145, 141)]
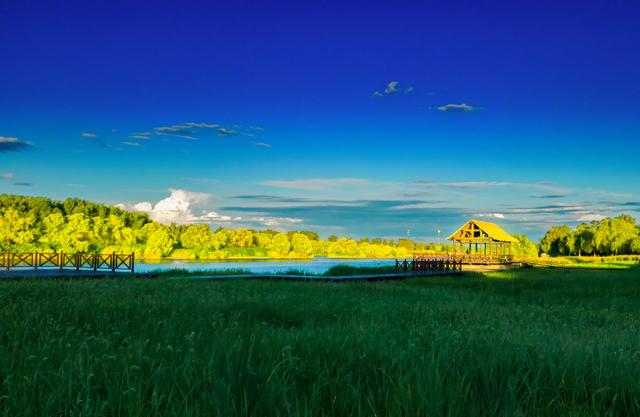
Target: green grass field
[(518, 343)]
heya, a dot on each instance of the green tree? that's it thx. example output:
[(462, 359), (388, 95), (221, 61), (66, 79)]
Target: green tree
[(301, 245), (280, 245), (585, 236), (558, 241), (524, 247)]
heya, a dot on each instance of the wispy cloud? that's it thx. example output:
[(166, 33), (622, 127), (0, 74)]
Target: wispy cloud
[(316, 183), (6, 176), (13, 144), (390, 89), (463, 107), (88, 135), (262, 144), (609, 194), (591, 218), (132, 144), (142, 137), (23, 184), (549, 196), (409, 90), (491, 215), (222, 131), (478, 184)]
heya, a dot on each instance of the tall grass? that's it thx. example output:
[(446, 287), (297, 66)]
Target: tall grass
[(516, 343)]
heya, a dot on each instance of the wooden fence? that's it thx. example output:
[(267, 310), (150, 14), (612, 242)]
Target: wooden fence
[(434, 265), (468, 258), (60, 260)]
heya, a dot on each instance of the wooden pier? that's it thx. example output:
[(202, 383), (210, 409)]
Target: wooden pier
[(114, 262)]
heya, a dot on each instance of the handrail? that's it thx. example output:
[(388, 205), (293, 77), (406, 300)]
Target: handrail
[(433, 265), (61, 260)]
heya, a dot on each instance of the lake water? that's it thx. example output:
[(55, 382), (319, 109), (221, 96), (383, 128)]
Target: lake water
[(314, 266)]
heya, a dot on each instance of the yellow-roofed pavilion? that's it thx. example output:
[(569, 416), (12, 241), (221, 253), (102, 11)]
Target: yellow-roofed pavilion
[(482, 238)]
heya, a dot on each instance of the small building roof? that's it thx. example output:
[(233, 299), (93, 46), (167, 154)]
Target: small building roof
[(480, 231)]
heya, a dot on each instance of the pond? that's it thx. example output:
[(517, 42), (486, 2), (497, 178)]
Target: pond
[(314, 266)]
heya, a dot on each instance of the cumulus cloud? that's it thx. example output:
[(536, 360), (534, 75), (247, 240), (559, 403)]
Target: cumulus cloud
[(463, 107), (13, 144), (177, 208), (180, 208), (316, 184)]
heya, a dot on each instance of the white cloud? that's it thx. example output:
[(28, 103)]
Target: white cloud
[(177, 208), (13, 144), (463, 107), (132, 144), (278, 221), (143, 206), (88, 135), (262, 144), (391, 88), (492, 215), (478, 184), (316, 184), (591, 218), (6, 175)]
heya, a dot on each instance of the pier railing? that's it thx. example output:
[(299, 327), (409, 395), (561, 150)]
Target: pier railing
[(70, 261), (434, 265), (469, 258)]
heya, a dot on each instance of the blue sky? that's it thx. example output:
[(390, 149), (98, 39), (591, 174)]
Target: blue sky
[(354, 118)]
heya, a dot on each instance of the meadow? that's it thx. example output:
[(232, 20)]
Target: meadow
[(541, 342)]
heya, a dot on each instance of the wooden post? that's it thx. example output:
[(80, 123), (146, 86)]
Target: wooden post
[(61, 263), (113, 262), (133, 261)]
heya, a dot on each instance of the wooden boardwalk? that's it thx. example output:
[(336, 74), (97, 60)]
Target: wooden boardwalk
[(80, 261)]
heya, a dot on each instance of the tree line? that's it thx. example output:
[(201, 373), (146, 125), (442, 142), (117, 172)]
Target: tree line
[(610, 236), (29, 224)]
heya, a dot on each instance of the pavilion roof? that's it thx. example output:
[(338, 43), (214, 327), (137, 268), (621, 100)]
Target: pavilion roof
[(492, 230)]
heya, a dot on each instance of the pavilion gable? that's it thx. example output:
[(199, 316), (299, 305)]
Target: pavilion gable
[(477, 231)]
